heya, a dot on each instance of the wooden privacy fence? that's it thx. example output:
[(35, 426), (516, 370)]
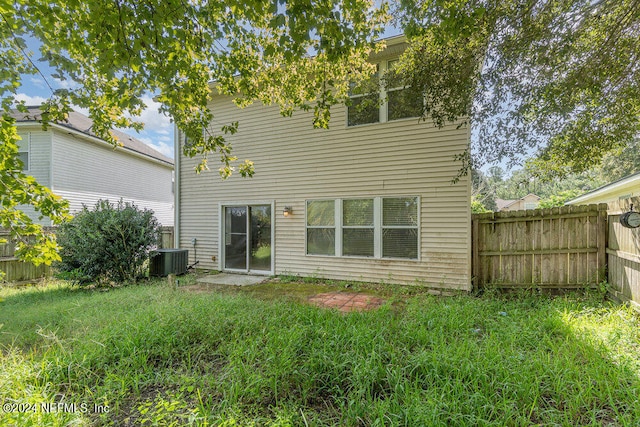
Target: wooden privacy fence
[(14, 269), (166, 240), (561, 247), (623, 253), (19, 271)]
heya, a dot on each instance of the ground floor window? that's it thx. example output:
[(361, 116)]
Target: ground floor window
[(321, 231), (376, 227)]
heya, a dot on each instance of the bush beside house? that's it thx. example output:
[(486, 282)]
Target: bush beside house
[(108, 243)]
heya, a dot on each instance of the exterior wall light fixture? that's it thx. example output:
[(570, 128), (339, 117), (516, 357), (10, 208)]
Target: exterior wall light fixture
[(288, 211)]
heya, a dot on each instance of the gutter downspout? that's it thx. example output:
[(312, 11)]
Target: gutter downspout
[(176, 187)]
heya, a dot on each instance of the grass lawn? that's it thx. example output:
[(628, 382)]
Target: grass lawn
[(152, 355)]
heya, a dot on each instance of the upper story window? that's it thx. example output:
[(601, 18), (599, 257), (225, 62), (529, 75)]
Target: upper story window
[(365, 102), (383, 99), (402, 102), (24, 146)]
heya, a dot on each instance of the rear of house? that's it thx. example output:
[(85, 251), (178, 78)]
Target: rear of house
[(370, 199)]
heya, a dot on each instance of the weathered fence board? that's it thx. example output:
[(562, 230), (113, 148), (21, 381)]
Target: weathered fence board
[(559, 247), (166, 240), (20, 271), (624, 254), (14, 269)]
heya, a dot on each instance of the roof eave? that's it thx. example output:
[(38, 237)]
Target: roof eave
[(95, 139)]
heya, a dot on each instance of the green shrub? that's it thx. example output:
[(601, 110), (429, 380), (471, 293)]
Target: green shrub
[(477, 206), (108, 243), (559, 199)]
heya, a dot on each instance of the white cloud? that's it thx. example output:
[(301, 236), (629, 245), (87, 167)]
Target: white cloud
[(153, 120), (30, 100), (37, 82), (163, 145), (65, 84), (158, 130)]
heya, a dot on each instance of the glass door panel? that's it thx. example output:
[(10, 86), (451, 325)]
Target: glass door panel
[(260, 250), (235, 236)]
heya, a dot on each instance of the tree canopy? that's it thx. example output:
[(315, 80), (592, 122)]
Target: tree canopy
[(556, 77)]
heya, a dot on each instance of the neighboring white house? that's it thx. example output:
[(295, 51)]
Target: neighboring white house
[(82, 168), (530, 201), (624, 188), (370, 199)]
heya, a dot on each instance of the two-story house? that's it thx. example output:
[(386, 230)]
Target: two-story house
[(369, 199), (75, 164)]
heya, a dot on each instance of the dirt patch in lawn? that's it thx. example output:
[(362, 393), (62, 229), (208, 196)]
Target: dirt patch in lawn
[(329, 295), (347, 301)]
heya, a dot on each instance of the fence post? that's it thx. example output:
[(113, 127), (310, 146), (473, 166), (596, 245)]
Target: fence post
[(603, 231), (166, 241), (475, 259)]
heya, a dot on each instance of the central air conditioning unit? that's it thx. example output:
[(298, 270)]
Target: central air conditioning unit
[(169, 261)]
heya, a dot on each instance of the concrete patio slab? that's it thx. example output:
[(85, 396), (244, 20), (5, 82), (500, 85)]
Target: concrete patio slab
[(231, 279)]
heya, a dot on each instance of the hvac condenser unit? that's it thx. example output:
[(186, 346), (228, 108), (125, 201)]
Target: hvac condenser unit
[(169, 261)]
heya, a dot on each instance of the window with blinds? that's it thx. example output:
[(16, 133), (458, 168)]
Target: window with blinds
[(321, 231), (379, 227), (357, 227), (24, 158), (400, 227), (24, 148)]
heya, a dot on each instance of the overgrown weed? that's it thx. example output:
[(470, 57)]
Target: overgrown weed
[(157, 356)]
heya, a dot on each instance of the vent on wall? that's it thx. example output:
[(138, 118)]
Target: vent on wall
[(169, 261)]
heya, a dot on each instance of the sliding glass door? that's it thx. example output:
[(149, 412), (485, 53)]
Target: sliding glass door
[(247, 238)]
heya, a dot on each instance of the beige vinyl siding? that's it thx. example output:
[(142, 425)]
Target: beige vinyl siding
[(85, 171), (295, 163), (38, 143)]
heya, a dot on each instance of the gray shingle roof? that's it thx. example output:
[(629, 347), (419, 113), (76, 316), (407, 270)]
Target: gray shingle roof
[(81, 123)]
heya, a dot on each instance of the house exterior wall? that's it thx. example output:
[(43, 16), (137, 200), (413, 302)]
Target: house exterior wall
[(623, 189), (38, 143), (85, 171), (521, 204), (295, 163)]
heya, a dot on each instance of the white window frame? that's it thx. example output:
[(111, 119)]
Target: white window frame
[(400, 227), (26, 141), (394, 89), (378, 228), (376, 221), (316, 227)]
